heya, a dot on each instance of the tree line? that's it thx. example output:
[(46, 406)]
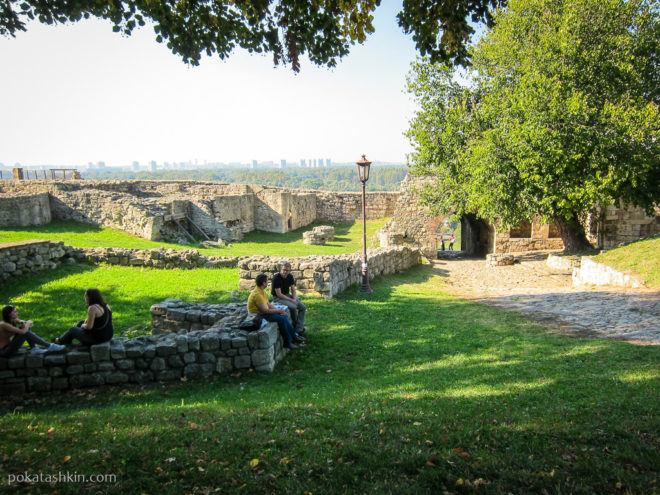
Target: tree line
[(381, 178)]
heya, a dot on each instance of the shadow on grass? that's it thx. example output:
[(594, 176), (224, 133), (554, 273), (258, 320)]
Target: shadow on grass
[(260, 237)]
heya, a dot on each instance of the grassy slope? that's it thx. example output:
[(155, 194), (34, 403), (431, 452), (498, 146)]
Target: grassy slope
[(641, 258), (406, 390), (348, 239)]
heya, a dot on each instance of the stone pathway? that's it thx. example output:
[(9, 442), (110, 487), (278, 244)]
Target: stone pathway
[(532, 288)]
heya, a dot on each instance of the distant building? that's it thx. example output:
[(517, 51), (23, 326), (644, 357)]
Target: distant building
[(303, 163), (136, 166), (254, 164), (282, 163), (328, 162), (153, 165)]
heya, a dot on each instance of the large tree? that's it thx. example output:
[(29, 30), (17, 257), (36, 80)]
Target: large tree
[(559, 114), (323, 29)]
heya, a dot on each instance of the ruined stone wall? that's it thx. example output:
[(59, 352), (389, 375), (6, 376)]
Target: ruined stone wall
[(337, 207), (413, 224), (540, 239), (329, 275), (24, 210), (25, 257), (220, 349), (623, 225)]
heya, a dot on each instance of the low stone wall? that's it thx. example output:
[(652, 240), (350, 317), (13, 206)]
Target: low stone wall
[(25, 209), (144, 359), (330, 275), (319, 235), (159, 258), (592, 273), (565, 263), (500, 260), (21, 258)]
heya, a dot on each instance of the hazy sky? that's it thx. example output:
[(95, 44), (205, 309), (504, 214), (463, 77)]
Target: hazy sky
[(73, 94)]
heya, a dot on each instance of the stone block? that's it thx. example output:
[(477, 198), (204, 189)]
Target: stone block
[(34, 360), (223, 365), (168, 375), (194, 316), (100, 352), (125, 364), (149, 351), (6, 374), (83, 381), (181, 343), (192, 370), (78, 357), (141, 377), (189, 357), (89, 367), (175, 361), (210, 342), (206, 357), (238, 342), (176, 315), (74, 369), (158, 364), (15, 362), (253, 340), (106, 366), (134, 350), (12, 387), (4, 363), (263, 357), (56, 371), (193, 343), (114, 377), (242, 362), (117, 350), (60, 383), (268, 335), (166, 348)]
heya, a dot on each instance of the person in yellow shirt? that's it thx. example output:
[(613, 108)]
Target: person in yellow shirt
[(258, 303)]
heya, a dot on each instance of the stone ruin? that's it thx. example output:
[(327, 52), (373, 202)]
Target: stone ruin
[(182, 211), (319, 235)]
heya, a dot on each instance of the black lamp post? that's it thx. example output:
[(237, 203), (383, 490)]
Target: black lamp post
[(363, 173)]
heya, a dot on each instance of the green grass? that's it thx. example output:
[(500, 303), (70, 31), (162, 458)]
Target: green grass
[(641, 258), (348, 239), (407, 390)]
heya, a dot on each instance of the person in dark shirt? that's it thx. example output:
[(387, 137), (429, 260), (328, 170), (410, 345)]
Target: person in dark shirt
[(283, 289), (96, 328)]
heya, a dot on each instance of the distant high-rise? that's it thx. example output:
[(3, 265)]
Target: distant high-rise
[(153, 165), (303, 163), (321, 162), (328, 162), (136, 166), (254, 164), (282, 163)]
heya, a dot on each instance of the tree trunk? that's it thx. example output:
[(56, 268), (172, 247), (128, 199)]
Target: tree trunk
[(573, 234)]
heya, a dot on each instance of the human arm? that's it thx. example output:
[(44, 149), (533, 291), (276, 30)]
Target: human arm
[(279, 295), (19, 326), (268, 308), (92, 313)]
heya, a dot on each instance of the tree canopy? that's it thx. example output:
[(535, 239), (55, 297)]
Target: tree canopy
[(323, 29), (559, 114)]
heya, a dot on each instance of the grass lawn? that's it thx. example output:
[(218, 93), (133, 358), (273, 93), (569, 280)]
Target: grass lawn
[(640, 258), (348, 239), (407, 390)]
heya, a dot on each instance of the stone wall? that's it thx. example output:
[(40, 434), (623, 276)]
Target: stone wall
[(25, 257), (218, 350), (541, 238), (412, 223), (329, 275), (336, 207), (592, 273), (26, 209), (161, 210), (623, 225)]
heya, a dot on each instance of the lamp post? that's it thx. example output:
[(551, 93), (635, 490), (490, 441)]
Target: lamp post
[(363, 174)]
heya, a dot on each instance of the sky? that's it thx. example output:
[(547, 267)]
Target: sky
[(81, 93)]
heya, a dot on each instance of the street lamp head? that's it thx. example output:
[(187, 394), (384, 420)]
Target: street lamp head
[(363, 169)]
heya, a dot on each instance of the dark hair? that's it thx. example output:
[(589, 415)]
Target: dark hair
[(6, 313), (94, 297), (261, 278)]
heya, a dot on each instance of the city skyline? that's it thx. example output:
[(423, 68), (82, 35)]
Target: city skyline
[(85, 94)]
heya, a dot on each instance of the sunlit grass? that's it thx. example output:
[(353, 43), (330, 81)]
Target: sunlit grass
[(348, 239)]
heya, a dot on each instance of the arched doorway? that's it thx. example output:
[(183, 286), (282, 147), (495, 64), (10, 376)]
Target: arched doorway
[(476, 235), (449, 235)]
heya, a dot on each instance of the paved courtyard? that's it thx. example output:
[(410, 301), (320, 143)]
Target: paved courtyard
[(532, 288)]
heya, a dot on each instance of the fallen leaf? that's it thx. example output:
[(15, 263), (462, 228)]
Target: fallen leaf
[(67, 458), (51, 429), (254, 462)]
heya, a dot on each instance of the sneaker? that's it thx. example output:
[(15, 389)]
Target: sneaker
[(299, 339), (55, 347)]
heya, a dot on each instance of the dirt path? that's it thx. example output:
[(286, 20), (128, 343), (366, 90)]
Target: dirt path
[(532, 288)]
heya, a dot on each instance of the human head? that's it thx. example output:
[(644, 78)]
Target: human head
[(261, 280), (285, 269), (6, 313), (93, 296)]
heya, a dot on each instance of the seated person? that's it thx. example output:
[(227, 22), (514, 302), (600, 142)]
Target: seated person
[(258, 303), (96, 328), (283, 282), (11, 325)]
